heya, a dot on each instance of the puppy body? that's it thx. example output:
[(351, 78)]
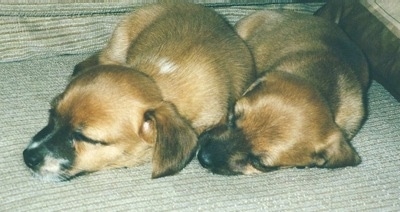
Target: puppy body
[(306, 106), (202, 60), (168, 73)]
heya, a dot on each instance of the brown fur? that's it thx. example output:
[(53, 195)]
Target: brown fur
[(306, 106), (168, 73)]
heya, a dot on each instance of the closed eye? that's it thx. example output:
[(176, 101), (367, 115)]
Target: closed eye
[(78, 136)]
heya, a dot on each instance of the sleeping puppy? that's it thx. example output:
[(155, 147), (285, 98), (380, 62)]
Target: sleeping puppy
[(169, 73), (304, 108)]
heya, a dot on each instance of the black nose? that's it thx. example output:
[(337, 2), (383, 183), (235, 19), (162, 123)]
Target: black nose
[(32, 158), (213, 155), (204, 158)]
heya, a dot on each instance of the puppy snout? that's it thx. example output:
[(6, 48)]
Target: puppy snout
[(32, 158), (214, 150), (212, 155), (204, 158)]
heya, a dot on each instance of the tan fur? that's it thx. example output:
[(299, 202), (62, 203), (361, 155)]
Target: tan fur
[(102, 111), (168, 73), (217, 52), (307, 104), (210, 68)]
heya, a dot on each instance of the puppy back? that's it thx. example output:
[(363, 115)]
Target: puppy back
[(195, 56), (316, 50)]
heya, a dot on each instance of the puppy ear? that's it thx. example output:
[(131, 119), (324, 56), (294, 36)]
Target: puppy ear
[(176, 141), (89, 62), (338, 153), (148, 129)]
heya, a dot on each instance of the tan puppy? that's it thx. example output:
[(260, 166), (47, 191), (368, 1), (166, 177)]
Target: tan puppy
[(306, 105), (169, 72)]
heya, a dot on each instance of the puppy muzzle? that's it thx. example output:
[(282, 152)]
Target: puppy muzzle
[(45, 165), (217, 147), (49, 155)]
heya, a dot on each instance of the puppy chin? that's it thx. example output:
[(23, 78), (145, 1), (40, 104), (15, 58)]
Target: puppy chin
[(53, 170)]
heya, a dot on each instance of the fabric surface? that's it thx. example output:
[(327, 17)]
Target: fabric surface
[(375, 26), (388, 12), (30, 31), (28, 86), (225, 2)]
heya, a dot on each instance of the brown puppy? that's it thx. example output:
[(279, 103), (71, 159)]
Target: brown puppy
[(169, 72), (304, 108)]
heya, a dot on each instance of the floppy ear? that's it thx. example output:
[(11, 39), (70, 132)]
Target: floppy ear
[(339, 153), (176, 141), (87, 63)]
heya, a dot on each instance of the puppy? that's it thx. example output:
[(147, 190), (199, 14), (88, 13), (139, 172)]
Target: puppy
[(168, 73), (304, 108)]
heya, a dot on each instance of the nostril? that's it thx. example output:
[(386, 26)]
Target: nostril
[(32, 158), (204, 158)]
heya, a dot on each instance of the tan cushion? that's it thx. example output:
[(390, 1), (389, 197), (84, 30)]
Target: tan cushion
[(32, 29), (375, 26)]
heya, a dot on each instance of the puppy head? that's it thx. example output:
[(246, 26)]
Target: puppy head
[(278, 123), (110, 117)]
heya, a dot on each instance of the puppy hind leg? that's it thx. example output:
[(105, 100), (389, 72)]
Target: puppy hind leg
[(351, 115), (127, 31), (337, 153)]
